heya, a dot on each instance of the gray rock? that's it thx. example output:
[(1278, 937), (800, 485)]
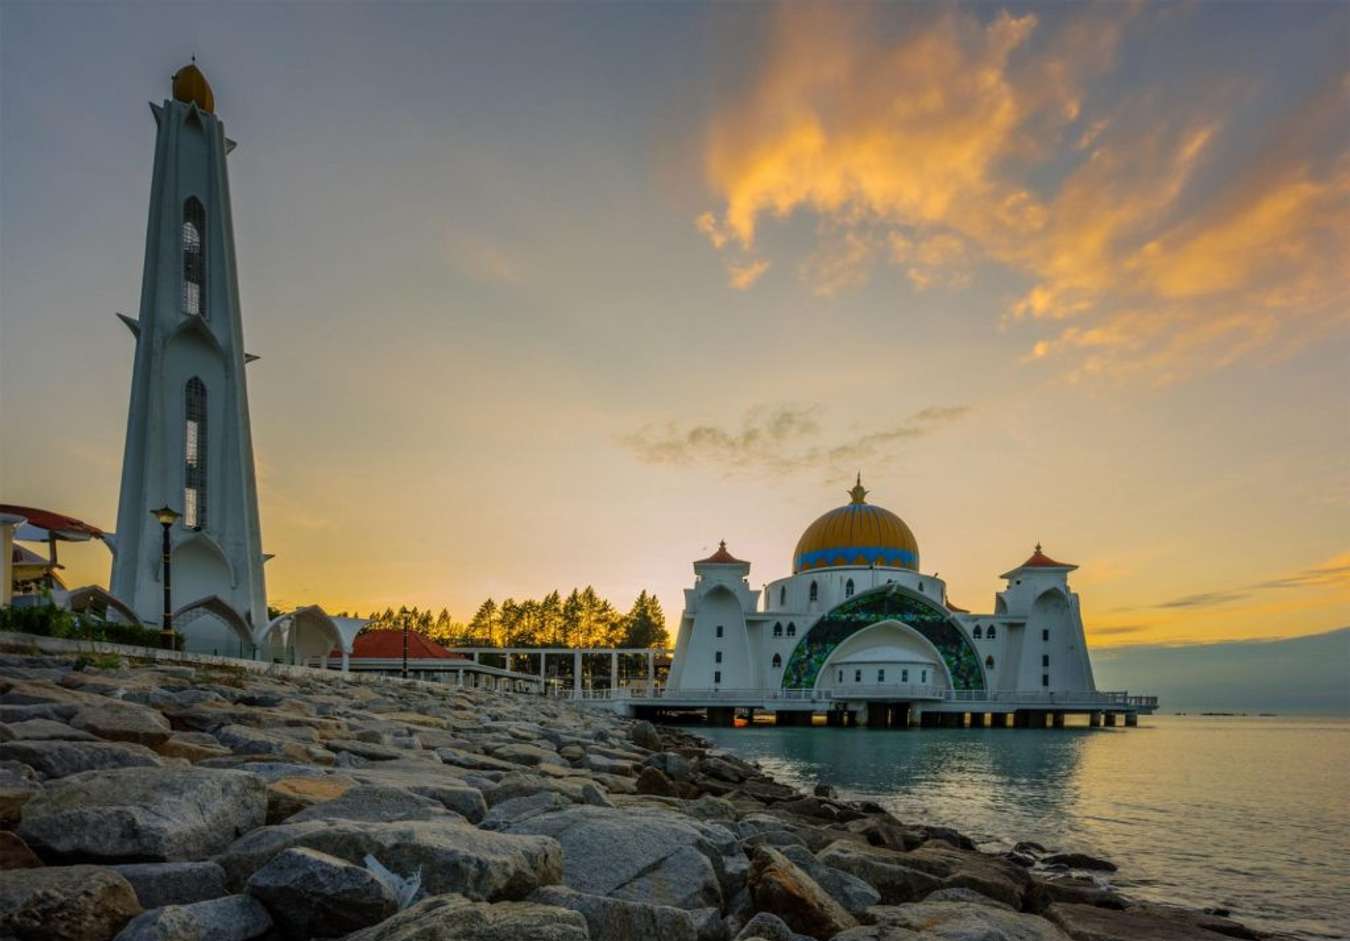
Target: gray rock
[(657, 857), (769, 927), (848, 890), (952, 921), (367, 750), (160, 884), (246, 740), (455, 918), (453, 856), (54, 759), (374, 803), (883, 870), (610, 919), (644, 735), (232, 918), (672, 765), (961, 894), (123, 722), (311, 894), (65, 903), (35, 730), (517, 809), (1079, 861), (151, 814), (519, 784), (604, 765), (522, 754)]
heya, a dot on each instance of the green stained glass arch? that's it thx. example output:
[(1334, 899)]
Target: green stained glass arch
[(889, 603)]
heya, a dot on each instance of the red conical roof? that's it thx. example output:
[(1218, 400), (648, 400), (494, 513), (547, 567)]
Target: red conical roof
[(722, 557)]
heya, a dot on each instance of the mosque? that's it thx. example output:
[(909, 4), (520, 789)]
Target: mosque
[(859, 627)]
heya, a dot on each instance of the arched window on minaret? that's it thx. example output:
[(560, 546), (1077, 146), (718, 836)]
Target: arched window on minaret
[(848, 588), (777, 662), (782, 596), (194, 454), (815, 592), (194, 258), (792, 629), (978, 633)]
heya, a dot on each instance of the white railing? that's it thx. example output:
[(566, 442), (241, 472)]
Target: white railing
[(879, 691)]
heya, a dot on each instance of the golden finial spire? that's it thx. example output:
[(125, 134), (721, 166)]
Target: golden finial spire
[(858, 492)]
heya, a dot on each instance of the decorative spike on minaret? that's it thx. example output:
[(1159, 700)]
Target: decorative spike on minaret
[(188, 441)]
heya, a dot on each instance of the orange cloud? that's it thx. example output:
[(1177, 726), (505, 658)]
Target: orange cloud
[(932, 151)]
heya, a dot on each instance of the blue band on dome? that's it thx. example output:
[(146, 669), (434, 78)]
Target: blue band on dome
[(869, 554)]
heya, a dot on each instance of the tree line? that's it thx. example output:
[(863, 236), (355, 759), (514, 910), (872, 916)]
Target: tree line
[(582, 619)]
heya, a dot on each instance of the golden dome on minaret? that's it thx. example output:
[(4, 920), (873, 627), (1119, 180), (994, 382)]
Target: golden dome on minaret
[(190, 85)]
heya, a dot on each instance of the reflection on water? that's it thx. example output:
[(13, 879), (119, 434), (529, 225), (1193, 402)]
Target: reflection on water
[(1245, 813)]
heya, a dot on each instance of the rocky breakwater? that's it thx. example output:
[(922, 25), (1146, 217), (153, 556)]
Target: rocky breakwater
[(178, 804)]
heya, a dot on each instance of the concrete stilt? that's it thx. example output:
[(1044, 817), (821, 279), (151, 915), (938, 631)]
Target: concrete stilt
[(1058, 719), (1095, 720), (614, 671), (722, 716), (1131, 720), (1111, 720)]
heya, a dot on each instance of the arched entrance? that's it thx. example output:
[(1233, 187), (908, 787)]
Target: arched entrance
[(210, 625)]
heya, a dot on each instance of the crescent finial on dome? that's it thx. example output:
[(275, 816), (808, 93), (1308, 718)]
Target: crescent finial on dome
[(858, 493)]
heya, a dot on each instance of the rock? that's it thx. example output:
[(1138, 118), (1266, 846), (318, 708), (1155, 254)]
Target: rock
[(657, 856), (721, 769), (56, 759), (673, 765), (952, 921), (990, 876), (604, 765), (522, 754), (653, 781), (367, 750), (610, 919), (826, 791), (1079, 890), (15, 854), (848, 890), (374, 803), (288, 796), (37, 730), (18, 784), (883, 870), (502, 815), (767, 926), (123, 722), (311, 894), (455, 918), (65, 903), (644, 735), (151, 814), (1143, 923), (964, 895), (1079, 861), (453, 856), (780, 886), (160, 884), (232, 918), (522, 785), (184, 745)]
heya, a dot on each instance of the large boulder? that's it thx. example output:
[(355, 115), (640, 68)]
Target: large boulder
[(146, 814), (610, 919), (778, 885), (40, 730), (1079, 861), (988, 875), (644, 735), (232, 918), (884, 870), (311, 894), (65, 903), (372, 802), (455, 918), (766, 926), (18, 784), (160, 884), (287, 796), (57, 759), (15, 853), (657, 857), (123, 722), (952, 921), (453, 856), (848, 890)]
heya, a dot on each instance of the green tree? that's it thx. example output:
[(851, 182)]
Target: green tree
[(645, 624), (484, 626)]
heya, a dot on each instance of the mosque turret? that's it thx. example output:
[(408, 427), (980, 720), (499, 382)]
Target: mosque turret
[(188, 441)]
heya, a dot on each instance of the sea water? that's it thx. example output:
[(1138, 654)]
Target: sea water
[(1251, 814)]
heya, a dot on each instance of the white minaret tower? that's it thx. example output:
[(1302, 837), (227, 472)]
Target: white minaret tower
[(189, 446)]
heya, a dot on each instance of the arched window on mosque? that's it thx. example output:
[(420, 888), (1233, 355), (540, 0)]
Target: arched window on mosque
[(977, 635), (194, 258), (848, 588), (778, 629), (792, 629), (815, 592), (990, 633), (777, 662), (989, 662), (782, 595), (194, 454)]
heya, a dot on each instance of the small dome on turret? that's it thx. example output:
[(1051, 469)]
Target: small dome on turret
[(190, 85)]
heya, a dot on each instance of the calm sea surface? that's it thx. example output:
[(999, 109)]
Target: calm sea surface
[(1250, 814)]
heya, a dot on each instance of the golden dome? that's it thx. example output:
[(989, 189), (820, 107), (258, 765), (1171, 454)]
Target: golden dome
[(190, 85), (857, 533)]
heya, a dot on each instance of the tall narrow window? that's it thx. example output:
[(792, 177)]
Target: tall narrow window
[(848, 588), (815, 591), (991, 633), (777, 662), (978, 635), (719, 630), (194, 258), (881, 676), (718, 657), (782, 596), (857, 676), (1045, 633), (1045, 659), (717, 676), (792, 629), (989, 662), (904, 676), (194, 454), (778, 629)]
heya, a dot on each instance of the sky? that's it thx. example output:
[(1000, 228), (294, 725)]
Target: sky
[(555, 295)]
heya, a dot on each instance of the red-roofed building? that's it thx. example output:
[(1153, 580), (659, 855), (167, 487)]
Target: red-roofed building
[(388, 645)]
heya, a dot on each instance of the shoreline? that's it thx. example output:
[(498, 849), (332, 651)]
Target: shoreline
[(295, 806)]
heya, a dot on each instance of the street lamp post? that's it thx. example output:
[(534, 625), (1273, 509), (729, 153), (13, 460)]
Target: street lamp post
[(405, 648), (166, 517)]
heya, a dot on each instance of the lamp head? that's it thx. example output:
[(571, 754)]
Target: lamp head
[(166, 515)]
